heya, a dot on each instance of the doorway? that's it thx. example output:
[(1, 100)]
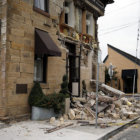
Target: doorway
[(73, 70), (128, 79)]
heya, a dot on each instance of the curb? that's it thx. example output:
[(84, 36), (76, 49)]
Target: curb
[(116, 131)]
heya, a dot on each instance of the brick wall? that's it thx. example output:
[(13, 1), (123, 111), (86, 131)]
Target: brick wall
[(121, 63)]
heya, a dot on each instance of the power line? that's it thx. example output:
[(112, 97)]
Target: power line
[(136, 58), (115, 30), (100, 30)]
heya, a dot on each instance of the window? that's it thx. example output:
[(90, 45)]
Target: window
[(89, 24), (42, 4), (40, 68), (78, 20), (69, 13), (66, 12)]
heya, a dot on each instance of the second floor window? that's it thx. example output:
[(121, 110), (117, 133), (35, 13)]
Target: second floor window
[(42, 4)]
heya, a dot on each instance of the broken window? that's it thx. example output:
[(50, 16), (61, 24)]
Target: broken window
[(42, 4), (79, 20), (69, 13), (89, 24), (66, 12), (40, 68)]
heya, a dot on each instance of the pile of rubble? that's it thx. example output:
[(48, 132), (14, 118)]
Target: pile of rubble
[(111, 104)]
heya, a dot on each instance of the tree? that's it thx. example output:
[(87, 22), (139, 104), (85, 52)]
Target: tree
[(64, 86)]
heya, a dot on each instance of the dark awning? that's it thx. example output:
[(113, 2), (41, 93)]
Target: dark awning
[(129, 73), (44, 44)]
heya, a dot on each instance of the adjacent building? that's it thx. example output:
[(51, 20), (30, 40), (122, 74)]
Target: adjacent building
[(127, 68), (41, 40)]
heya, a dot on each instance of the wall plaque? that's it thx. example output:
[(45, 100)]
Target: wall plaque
[(21, 88)]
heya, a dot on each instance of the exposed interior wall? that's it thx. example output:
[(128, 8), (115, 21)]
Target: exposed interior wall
[(87, 68)]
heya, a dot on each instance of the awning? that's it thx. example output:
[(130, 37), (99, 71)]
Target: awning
[(44, 44), (129, 73)]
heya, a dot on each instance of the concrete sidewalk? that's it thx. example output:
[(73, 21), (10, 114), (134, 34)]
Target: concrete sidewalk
[(36, 130), (2, 125)]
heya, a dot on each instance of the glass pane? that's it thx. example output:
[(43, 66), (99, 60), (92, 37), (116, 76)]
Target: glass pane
[(38, 70), (40, 4), (80, 20)]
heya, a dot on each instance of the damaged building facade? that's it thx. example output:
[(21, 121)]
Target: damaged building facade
[(41, 40)]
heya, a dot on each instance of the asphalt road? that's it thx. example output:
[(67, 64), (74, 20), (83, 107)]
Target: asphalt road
[(131, 133)]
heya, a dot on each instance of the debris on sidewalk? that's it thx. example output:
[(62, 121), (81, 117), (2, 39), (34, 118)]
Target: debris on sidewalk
[(58, 127), (113, 108), (111, 105)]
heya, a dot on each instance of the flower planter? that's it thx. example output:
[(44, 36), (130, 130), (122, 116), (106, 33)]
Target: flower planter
[(39, 113)]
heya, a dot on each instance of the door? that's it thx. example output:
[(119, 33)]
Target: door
[(73, 72)]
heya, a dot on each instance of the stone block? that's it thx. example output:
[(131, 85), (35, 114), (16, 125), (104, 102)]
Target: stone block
[(17, 46), (13, 74), (15, 59), (101, 115), (52, 120), (71, 114), (27, 68), (17, 32), (13, 67), (26, 80)]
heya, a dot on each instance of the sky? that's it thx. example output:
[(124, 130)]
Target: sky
[(119, 27)]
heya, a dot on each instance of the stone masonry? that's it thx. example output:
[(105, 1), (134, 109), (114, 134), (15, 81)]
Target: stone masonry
[(19, 19)]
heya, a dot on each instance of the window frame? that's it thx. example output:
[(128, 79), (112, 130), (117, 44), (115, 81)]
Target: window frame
[(45, 68), (43, 12)]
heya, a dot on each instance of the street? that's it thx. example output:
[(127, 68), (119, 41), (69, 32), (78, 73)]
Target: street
[(131, 133)]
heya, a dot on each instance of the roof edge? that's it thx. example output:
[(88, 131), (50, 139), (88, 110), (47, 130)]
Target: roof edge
[(126, 55)]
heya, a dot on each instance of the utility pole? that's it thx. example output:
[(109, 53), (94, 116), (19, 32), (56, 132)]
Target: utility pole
[(134, 79), (97, 88)]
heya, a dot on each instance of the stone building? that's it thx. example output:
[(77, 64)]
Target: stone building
[(126, 67), (41, 40)]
